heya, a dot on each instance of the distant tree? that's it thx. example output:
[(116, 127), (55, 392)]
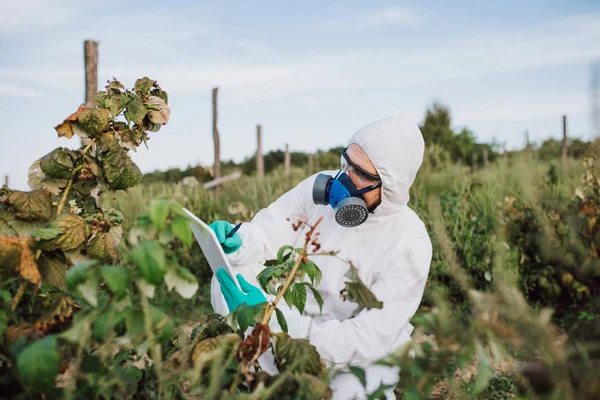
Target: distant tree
[(436, 126)]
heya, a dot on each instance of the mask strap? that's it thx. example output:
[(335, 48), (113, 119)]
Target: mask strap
[(367, 189)]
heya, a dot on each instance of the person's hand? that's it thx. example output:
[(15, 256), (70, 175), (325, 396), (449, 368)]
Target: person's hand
[(221, 229), (234, 297)]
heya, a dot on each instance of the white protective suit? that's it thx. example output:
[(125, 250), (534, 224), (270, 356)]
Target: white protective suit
[(391, 250)]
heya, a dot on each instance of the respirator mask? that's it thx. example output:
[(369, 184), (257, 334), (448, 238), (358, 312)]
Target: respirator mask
[(342, 194)]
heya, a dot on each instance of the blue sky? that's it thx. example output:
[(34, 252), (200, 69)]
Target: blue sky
[(310, 73)]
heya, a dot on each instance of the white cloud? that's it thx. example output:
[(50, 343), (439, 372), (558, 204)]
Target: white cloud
[(18, 91), (391, 16), (25, 16), (385, 17), (570, 41)]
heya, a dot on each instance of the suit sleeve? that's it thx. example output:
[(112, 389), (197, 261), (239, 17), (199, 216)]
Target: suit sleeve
[(371, 335), (272, 228)]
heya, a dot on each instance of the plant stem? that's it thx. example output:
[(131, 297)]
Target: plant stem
[(154, 345), (18, 296), (271, 307), (65, 193), (89, 145)]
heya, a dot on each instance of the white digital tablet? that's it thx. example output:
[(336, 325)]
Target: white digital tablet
[(210, 246)]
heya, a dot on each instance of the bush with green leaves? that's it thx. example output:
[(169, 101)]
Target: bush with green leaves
[(59, 228)]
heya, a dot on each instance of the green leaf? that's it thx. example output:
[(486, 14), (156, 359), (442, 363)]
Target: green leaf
[(94, 120), (119, 169), (247, 315), (143, 85), (281, 320), (182, 229), (116, 104), (296, 355), (26, 229), (317, 297), (135, 111), (360, 374), (134, 320), (3, 325), (5, 296), (99, 99), (46, 233), (159, 211), (182, 280), (314, 273), (299, 296), (106, 323), (284, 253), (38, 364), (59, 163), (117, 279), (79, 273), (132, 376), (380, 392), (484, 369), (149, 256), (88, 290), (161, 323), (31, 206)]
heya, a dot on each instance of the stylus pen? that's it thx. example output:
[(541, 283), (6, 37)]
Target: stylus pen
[(233, 231)]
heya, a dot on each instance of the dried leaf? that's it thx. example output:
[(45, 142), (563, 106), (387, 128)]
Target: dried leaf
[(56, 309), (356, 291), (143, 85), (255, 344), (104, 246), (158, 110), (66, 127), (31, 206), (94, 120), (53, 270), (296, 355), (10, 253), (73, 231), (216, 325), (27, 267), (120, 170)]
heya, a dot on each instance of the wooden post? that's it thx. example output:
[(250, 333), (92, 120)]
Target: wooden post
[(287, 160), (217, 165), (474, 162), (6, 181), (527, 145), (485, 158), (260, 162), (563, 148), (90, 55), (310, 165)]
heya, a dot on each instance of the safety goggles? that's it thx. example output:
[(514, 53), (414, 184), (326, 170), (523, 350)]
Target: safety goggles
[(364, 177)]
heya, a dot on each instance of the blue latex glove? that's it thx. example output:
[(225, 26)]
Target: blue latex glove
[(234, 297), (221, 229)]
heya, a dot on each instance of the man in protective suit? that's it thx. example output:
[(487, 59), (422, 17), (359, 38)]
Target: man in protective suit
[(388, 244)]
